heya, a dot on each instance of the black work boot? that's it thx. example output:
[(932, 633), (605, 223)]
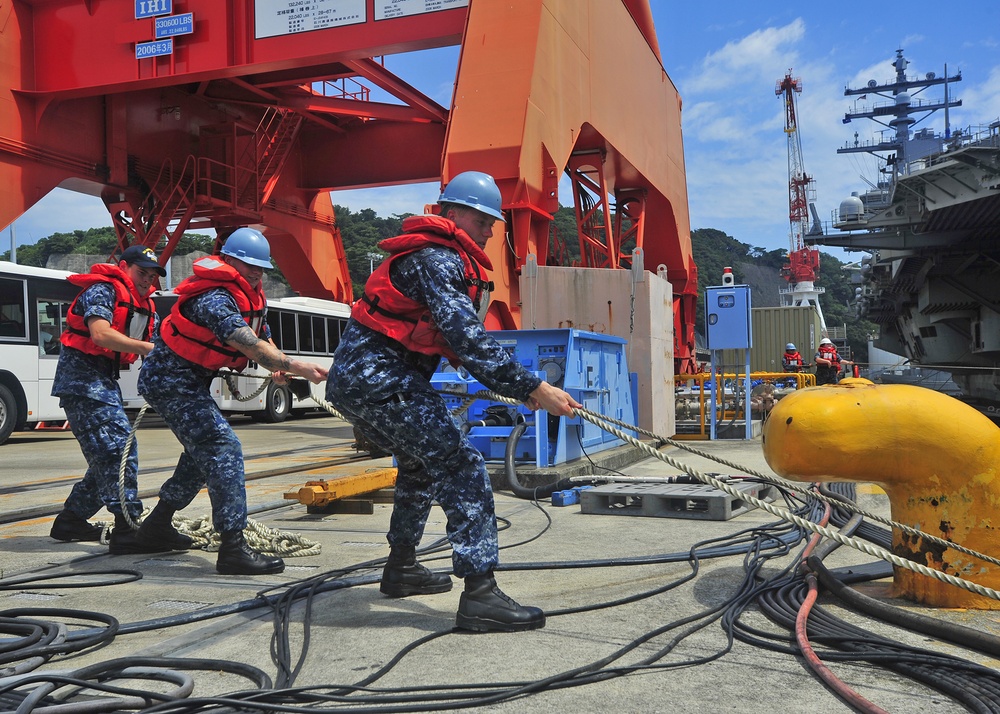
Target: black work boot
[(124, 540), (403, 575), (158, 529), (484, 607), (238, 558), (69, 526)]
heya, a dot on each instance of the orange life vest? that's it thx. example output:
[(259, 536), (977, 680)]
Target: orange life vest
[(132, 314), (830, 352), (792, 361), (197, 343), (385, 309)]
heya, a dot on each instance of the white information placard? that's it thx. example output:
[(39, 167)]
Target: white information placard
[(273, 18), (388, 9)]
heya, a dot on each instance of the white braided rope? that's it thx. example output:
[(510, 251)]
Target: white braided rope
[(325, 405), (121, 471), (853, 508), (784, 484), (783, 513), (464, 403), (261, 538)]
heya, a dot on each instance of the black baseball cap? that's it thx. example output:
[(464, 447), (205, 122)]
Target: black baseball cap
[(143, 256)]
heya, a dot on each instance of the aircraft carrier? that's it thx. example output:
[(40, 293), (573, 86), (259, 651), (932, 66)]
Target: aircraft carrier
[(928, 224)]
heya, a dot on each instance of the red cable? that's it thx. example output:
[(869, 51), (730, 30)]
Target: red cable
[(802, 638)]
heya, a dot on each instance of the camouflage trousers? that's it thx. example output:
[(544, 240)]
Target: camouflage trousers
[(102, 430), (213, 457), (435, 463)]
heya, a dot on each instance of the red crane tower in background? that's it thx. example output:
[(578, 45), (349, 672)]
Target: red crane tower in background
[(803, 263)]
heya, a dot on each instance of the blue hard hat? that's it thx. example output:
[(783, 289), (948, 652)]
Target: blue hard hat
[(475, 190), (790, 347), (250, 246)]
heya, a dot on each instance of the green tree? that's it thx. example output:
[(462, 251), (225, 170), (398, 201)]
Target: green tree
[(94, 241), (361, 233)]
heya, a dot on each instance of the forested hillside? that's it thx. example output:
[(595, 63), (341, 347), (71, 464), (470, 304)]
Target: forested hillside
[(362, 231), (714, 250)]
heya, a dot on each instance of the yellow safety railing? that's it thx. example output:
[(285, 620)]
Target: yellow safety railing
[(726, 409)]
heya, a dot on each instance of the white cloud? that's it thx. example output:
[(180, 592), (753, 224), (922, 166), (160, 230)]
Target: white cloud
[(745, 61), (61, 211)]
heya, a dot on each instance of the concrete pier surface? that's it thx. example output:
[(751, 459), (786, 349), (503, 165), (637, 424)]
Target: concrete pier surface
[(634, 623)]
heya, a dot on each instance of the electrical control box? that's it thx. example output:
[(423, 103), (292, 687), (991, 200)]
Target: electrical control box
[(727, 317), (591, 367)]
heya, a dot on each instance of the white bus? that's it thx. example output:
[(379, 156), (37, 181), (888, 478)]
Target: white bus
[(33, 305), (307, 328)]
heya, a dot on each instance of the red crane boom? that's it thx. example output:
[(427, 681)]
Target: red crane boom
[(803, 263), (250, 112)]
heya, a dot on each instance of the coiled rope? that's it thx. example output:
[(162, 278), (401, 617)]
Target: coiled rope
[(261, 538)]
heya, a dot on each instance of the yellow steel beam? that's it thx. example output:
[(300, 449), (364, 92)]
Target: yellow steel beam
[(320, 493)]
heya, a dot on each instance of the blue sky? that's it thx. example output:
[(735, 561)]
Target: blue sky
[(725, 58)]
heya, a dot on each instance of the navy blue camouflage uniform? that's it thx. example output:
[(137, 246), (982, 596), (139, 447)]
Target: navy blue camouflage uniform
[(88, 391), (179, 391), (384, 389)]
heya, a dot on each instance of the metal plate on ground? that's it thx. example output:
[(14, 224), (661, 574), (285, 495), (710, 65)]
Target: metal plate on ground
[(671, 500)]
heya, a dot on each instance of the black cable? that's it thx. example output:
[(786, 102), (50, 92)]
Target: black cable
[(84, 640), (95, 678), (956, 634), (778, 596), (968, 683), (438, 701), (510, 469), (37, 582)]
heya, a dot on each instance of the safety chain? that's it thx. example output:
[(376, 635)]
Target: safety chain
[(783, 513), (230, 378)]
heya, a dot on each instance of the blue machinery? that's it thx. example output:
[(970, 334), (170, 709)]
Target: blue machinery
[(727, 313), (590, 366)]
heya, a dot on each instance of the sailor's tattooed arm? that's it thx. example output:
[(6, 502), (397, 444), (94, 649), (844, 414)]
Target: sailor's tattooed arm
[(260, 351)]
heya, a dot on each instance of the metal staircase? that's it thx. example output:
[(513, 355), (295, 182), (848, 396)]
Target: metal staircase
[(227, 185)]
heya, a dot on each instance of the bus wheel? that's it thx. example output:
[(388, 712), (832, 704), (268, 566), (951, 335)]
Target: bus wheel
[(8, 413), (277, 404)]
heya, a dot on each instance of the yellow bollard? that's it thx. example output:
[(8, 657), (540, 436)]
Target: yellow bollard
[(936, 458)]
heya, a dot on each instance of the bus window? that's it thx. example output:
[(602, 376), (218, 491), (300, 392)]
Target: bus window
[(12, 309), (274, 322), (319, 335), (305, 334), (333, 326), (51, 316), (288, 342)]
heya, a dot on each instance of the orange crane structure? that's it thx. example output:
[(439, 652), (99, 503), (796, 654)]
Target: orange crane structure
[(184, 115), (803, 263)]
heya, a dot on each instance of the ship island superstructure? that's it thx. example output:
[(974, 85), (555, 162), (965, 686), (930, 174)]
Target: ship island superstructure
[(930, 224)]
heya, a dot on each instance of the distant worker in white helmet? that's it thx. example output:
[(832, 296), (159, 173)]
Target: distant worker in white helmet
[(828, 362), (421, 305)]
